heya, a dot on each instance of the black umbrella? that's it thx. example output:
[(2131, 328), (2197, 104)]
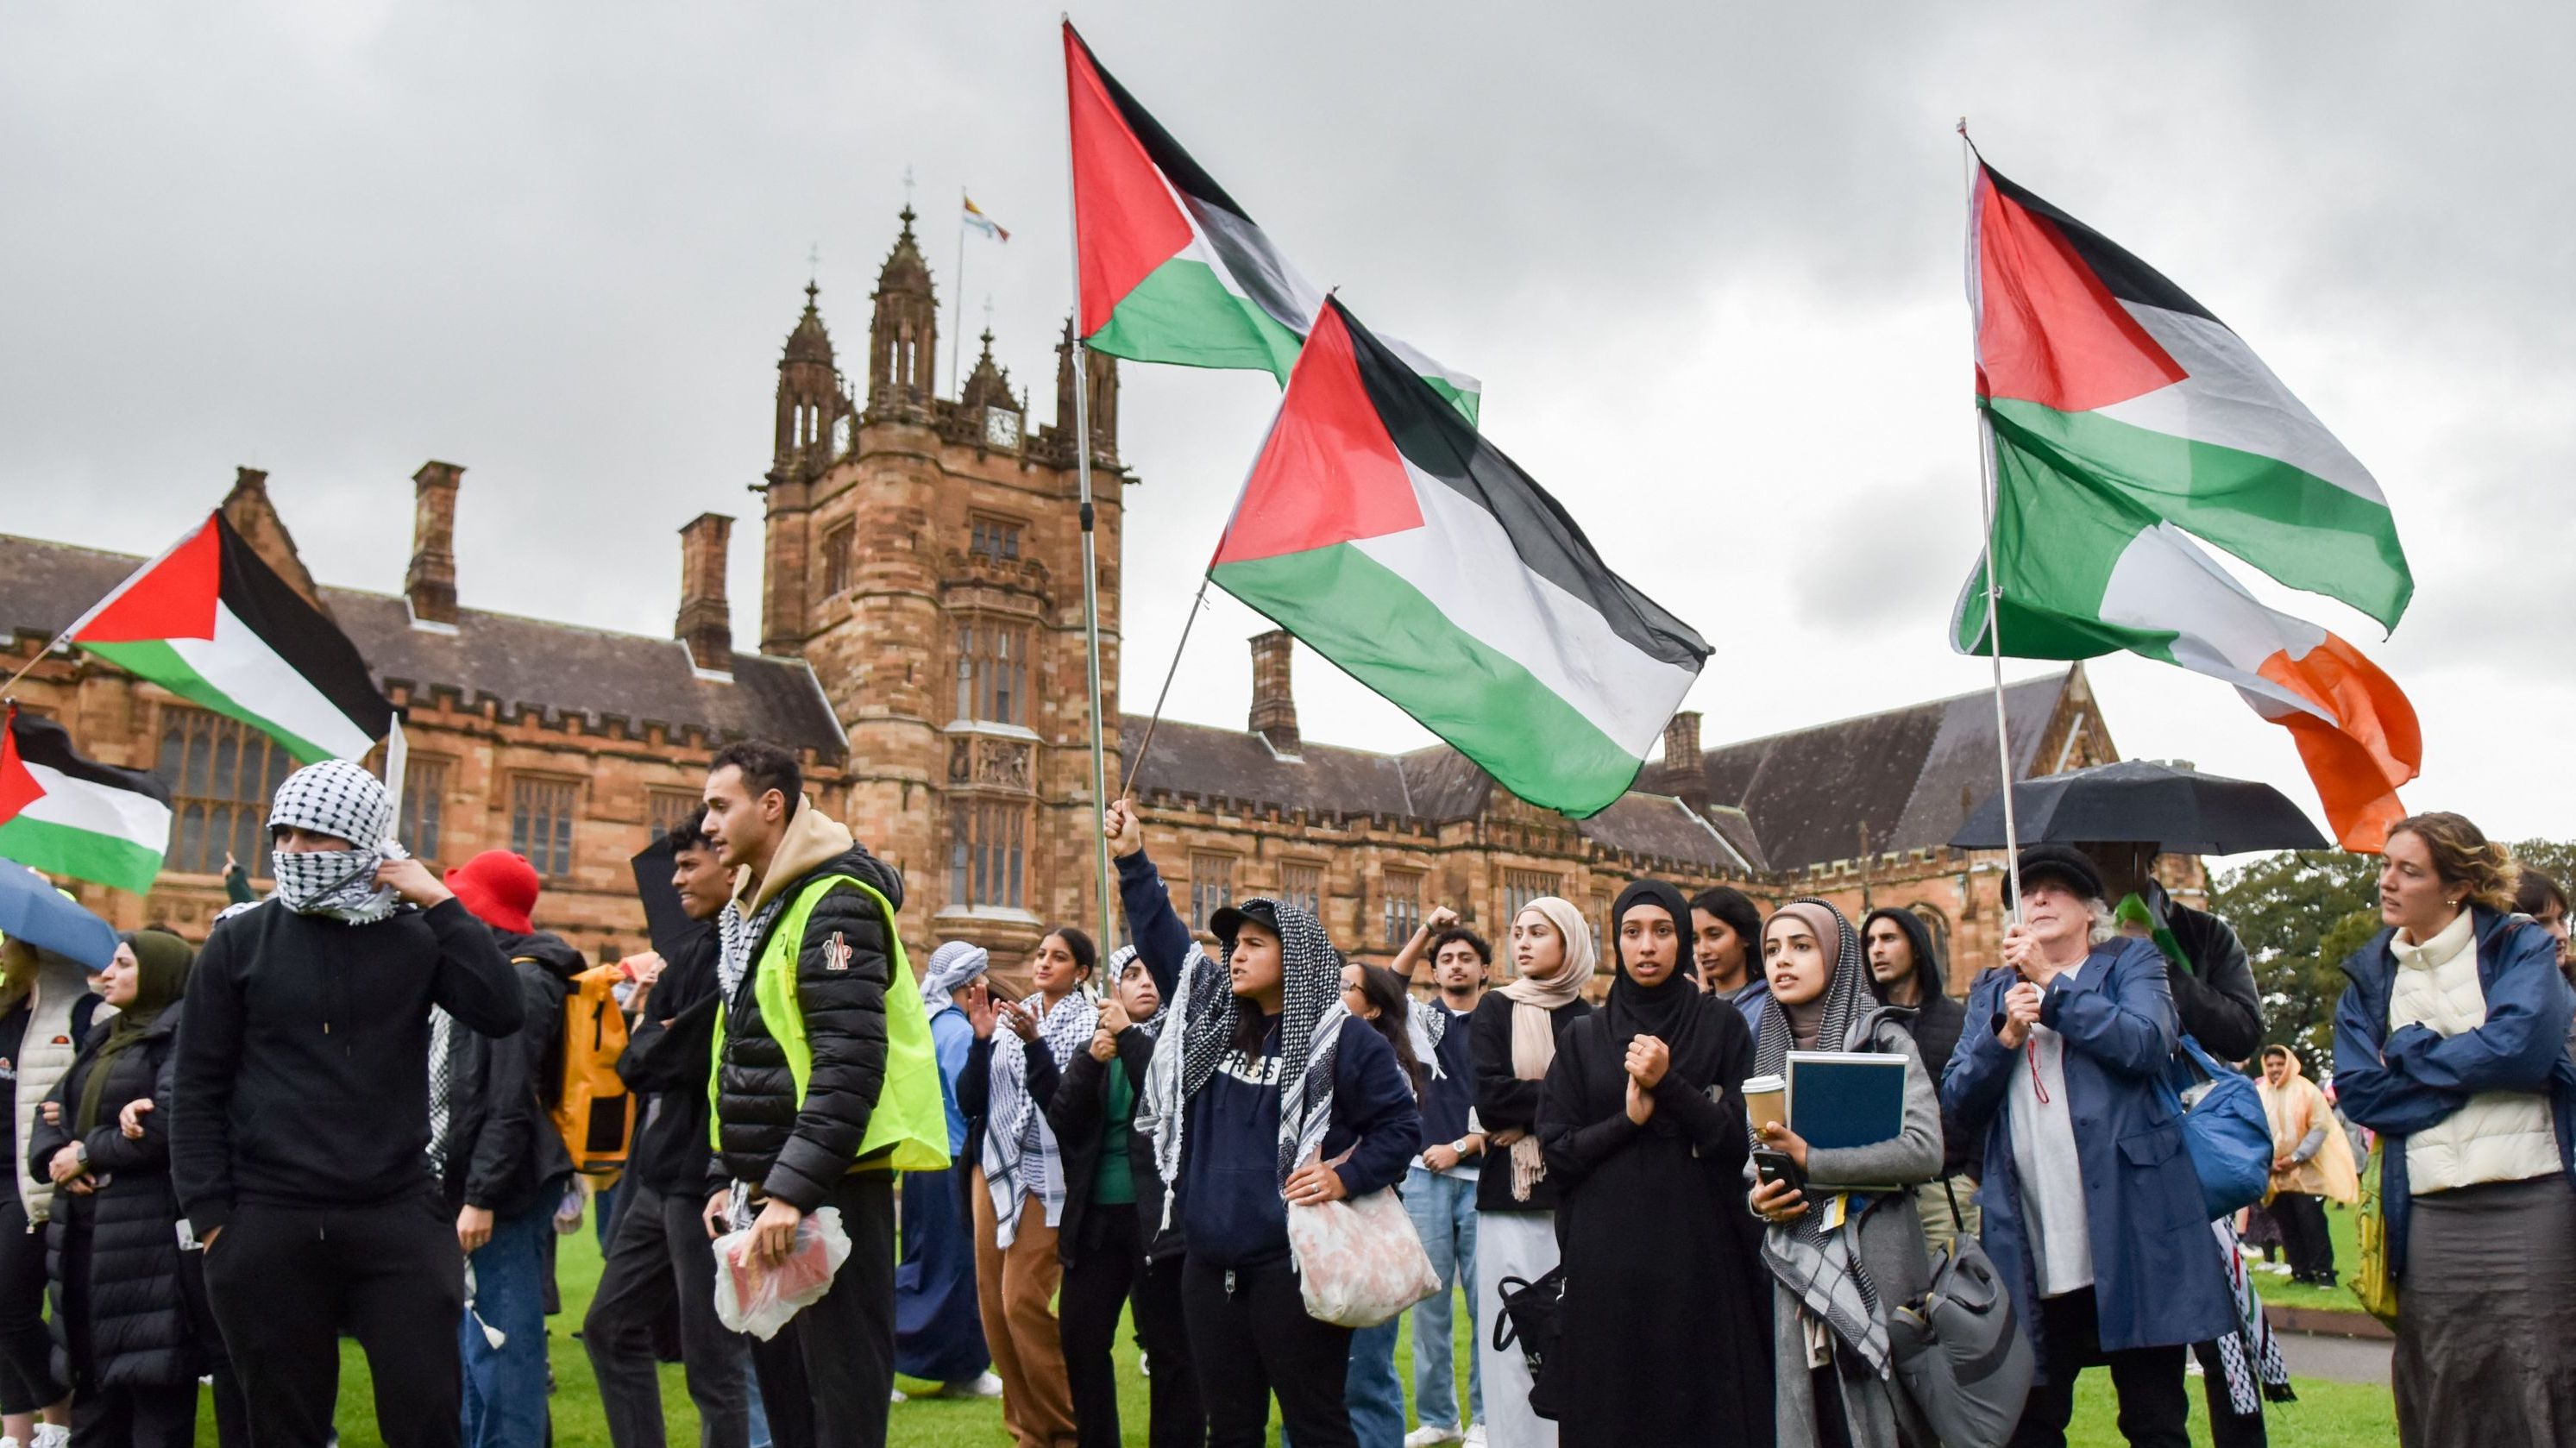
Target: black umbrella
[(2136, 802)]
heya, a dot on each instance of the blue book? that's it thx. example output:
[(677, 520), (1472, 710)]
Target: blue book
[(1840, 1099)]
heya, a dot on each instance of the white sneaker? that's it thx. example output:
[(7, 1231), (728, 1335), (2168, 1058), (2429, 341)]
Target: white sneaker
[(1475, 1435), (984, 1385), (1433, 1435), (51, 1435), (901, 1396), (8, 1443), (2277, 1269)]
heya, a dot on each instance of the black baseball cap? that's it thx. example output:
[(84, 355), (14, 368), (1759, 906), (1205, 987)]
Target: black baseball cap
[(1228, 919), (2063, 863)]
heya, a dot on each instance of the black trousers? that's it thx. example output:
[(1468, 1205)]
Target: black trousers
[(287, 1281), (2303, 1235), (141, 1417), (2226, 1428), (827, 1378), (659, 1257), (26, 1348), (1179, 1415), (1254, 1341), (2149, 1380), (1108, 1271)]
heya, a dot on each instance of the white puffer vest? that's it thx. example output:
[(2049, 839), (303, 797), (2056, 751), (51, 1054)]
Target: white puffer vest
[(44, 1057), (2498, 1136)]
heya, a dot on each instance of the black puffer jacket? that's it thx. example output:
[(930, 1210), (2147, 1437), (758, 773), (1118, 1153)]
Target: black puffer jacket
[(139, 1291), (2215, 1000), (796, 1151), (502, 1151)]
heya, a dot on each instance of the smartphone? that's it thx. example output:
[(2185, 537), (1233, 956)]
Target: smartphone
[(1771, 1166)]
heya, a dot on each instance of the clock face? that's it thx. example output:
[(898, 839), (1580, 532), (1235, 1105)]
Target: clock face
[(1001, 427)]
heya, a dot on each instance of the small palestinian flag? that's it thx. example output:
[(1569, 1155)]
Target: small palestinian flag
[(213, 624), (2091, 364), (1172, 269), (1381, 529), (67, 815)]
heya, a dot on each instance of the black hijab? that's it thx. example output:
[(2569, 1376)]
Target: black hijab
[(1675, 1012)]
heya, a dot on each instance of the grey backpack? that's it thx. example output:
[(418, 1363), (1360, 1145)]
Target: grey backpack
[(1964, 1362)]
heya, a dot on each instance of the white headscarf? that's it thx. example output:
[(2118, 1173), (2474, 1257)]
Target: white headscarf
[(951, 966)]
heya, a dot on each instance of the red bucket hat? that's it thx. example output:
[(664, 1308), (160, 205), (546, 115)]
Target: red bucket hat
[(497, 888)]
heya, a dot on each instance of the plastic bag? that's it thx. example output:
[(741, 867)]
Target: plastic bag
[(758, 1299)]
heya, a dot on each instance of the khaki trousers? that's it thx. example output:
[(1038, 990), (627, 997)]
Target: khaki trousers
[(1015, 1289)]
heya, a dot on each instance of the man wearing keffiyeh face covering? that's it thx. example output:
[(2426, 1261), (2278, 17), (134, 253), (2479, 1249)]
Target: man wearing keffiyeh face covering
[(300, 1116)]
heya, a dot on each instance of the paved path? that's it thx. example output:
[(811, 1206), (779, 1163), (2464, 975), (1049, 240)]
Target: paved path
[(2339, 1359)]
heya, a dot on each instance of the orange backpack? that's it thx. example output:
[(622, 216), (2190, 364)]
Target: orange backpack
[(594, 1111)]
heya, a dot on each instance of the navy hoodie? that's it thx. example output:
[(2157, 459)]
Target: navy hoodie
[(1227, 1201)]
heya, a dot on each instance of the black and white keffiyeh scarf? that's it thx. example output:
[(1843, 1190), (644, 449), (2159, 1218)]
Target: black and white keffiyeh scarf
[(1020, 1154), (1201, 1020), (335, 797), (1821, 1263)]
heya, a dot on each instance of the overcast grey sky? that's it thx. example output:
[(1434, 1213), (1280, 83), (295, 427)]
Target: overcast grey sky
[(1706, 260)]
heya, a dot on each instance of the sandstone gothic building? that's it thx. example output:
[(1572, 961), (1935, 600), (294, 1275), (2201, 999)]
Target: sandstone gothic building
[(920, 646)]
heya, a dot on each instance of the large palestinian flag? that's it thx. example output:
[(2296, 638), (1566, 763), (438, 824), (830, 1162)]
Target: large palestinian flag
[(1381, 529), (212, 623), (2092, 365), (67, 815), (1172, 269)]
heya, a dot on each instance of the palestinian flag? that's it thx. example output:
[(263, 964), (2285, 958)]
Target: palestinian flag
[(216, 626), (2091, 365), (2085, 573), (1381, 529), (1172, 269), (66, 815)]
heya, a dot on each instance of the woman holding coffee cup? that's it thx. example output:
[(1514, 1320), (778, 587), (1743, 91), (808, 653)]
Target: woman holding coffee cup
[(1843, 1248)]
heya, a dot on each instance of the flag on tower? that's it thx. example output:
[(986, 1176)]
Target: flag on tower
[(69, 815), (213, 623), (974, 216), (1173, 269), (1380, 528), (2122, 418)]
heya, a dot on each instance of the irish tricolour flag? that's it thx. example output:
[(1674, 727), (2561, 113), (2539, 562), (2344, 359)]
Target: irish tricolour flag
[(1381, 529), (1172, 269), (2122, 419), (68, 815), (212, 623)]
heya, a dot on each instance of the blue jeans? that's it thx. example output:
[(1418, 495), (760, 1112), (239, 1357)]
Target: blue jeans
[(1375, 1394), (1443, 1207), (505, 1387), (758, 1411)]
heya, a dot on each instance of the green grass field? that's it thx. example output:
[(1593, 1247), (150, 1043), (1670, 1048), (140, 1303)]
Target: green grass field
[(2327, 1415)]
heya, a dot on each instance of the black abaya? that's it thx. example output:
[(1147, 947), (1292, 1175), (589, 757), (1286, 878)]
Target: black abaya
[(1666, 1327)]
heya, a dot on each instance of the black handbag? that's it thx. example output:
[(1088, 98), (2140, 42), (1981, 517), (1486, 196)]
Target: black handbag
[(1962, 1359), (1533, 1318)]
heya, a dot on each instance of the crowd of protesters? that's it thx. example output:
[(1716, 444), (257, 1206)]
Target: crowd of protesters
[(333, 1121)]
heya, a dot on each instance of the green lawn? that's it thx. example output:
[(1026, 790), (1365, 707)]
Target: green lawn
[(2327, 1415), (2340, 1225)]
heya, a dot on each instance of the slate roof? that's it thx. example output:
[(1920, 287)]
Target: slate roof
[(1807, 792), (1784, 802), (554, 670)]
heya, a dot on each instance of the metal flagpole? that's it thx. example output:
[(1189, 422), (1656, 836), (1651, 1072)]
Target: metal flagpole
[(1143, 746), (1994, 589), (956, 312), (1090, 534)]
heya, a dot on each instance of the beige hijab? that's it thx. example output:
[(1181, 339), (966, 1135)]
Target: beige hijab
[(1534, 998)]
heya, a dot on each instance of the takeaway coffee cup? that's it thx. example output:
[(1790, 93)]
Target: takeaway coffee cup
[(1766, 1098)]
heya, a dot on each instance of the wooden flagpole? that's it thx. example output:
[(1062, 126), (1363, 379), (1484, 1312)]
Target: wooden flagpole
[(1994, 589)]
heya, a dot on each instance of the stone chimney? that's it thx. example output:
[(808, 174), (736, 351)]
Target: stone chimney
[(1274, 704), (706, 620), (430, 583), (1685, 773)]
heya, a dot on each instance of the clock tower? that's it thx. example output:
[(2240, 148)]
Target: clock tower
[(930, 571)]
